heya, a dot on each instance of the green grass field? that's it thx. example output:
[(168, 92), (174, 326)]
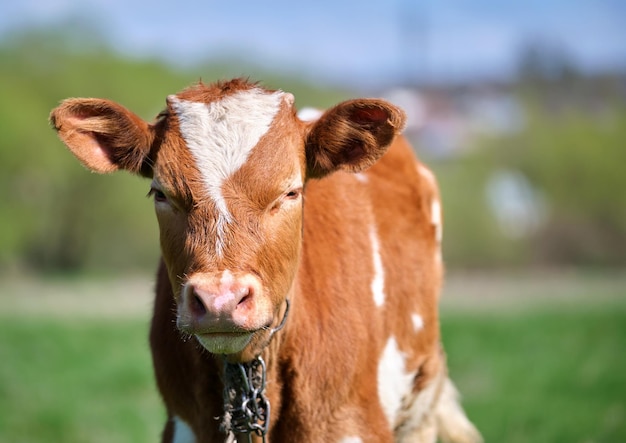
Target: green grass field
[(537, 359)]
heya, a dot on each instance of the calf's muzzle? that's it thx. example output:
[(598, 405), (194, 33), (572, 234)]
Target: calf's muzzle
[(221, 303)]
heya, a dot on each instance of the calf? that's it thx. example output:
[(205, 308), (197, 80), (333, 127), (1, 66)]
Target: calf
[(298, 289)]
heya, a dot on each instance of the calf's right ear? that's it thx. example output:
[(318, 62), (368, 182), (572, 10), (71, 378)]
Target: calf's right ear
[(103, 135)]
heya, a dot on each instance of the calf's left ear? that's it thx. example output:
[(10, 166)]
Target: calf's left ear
[(351, 136), (103, 135)]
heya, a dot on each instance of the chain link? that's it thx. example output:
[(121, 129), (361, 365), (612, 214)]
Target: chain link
[(245, 402), (250, 409)]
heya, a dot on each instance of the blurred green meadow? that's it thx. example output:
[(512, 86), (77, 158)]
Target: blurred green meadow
[(75, 362), (539, 357), (534, 363)]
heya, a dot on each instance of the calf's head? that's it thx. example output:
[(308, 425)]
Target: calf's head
[(228, 164)]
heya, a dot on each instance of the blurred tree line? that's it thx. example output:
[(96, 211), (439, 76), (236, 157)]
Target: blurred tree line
[(56, 217), (571, 150)]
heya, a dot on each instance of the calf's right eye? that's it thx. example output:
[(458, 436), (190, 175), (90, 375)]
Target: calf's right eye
[(158, 195)]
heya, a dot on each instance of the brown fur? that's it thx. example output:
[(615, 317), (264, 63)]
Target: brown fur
[(322, 367)]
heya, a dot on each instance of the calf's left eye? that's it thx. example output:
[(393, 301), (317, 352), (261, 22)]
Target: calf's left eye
[(293, 194)]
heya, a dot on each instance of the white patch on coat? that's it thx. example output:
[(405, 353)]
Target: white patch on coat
[(361, 177), (418, 322), (452, 423), (435, 208), (427, 174), (308, 114), (182, 432), (435, 214), (394, 382), (220, 136), (378, 281), (416, 421), (351, 439)]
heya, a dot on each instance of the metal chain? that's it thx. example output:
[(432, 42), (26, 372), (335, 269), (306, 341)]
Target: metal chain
[(251, 411), (245, 403)]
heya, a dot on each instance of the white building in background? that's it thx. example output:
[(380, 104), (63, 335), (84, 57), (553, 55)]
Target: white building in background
[(443, 124), (518, 208)]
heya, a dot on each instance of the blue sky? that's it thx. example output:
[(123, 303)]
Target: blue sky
[(368, 40)]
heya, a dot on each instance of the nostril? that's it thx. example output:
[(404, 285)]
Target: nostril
[(245, 295), (197, 306)]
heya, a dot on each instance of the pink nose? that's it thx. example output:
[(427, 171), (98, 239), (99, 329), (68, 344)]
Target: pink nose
[(215, 304)]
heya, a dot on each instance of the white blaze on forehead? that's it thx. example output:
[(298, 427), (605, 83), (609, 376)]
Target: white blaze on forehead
[(394, 382), (220, 136), (378, 281)]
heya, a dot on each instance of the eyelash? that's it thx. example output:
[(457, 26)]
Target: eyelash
[(292, 194), (159, 196)]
